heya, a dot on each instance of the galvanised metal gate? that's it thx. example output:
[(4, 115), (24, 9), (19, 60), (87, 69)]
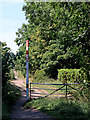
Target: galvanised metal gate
[(65, 87)]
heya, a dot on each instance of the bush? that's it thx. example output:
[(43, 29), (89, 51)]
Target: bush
[(83, 96), (11, 75), (62, 109), (40, 76), (71, 75)]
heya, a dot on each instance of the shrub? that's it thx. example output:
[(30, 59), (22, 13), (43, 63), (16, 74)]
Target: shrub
[(71, 75), (11, 75), (61, 109), (40, 76)]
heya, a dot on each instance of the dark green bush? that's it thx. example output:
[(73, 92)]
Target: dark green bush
[(72, 75), (40, 76)]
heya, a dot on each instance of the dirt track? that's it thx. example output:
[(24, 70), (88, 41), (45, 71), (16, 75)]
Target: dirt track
[(18, 112)]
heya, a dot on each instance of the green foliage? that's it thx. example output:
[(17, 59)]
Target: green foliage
[(11, 74), (7, 62), (61, 108), (59, 36), (40, 76), (20, 62), (72, 75), (78, 76), (84, 94), (10, 94)]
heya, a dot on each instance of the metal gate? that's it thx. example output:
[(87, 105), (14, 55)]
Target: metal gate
[(35, 91)]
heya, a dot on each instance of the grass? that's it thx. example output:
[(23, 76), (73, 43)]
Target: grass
[(10, 94), (61, 108), (71, 109)]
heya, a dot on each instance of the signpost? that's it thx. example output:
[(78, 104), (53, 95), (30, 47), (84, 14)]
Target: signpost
[(27, 70)]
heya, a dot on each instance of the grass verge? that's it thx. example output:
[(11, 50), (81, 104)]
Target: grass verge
[(61, 108), (10, 95)]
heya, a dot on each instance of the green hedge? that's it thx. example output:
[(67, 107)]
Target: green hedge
[(72, 75), (40, 76)]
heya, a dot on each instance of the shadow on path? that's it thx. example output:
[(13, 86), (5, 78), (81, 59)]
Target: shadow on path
[(18, 112)]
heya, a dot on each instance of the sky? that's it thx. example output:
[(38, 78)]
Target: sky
[(11, 18)]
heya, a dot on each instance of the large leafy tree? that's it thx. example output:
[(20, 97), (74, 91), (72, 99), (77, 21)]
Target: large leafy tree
[(58, 34)]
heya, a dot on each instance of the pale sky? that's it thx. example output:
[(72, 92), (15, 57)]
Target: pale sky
[(11, 18)]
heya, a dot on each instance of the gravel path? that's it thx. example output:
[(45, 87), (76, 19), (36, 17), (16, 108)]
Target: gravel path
[(18, 112)]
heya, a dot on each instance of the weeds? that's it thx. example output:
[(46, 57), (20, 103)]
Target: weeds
[(61, 108), (10, 94)]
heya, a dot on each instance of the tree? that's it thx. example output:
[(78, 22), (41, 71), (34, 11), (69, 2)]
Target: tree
[(58, 33), (7, 62)]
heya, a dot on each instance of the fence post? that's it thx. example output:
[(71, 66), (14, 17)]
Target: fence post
[(66, 90)]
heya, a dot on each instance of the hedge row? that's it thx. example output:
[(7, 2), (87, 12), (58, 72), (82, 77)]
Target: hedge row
[(71, 75)]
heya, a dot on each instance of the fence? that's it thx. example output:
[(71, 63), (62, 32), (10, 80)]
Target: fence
[(38, 94)]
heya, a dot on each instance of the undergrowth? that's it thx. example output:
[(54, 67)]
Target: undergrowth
[(10, 94), (61, 108)]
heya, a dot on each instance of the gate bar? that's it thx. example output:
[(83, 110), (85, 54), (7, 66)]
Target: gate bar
[(55, 84), (54, 91)]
